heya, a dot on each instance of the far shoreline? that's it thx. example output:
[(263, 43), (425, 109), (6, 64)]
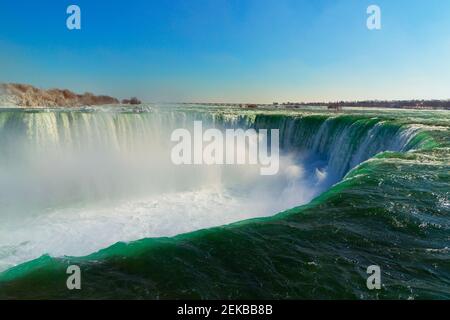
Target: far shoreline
[(17, 95)]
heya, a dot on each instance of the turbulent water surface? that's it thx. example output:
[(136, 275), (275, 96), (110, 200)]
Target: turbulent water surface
[(96, 187)]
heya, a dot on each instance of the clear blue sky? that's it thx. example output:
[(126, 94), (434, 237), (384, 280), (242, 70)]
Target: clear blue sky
[(230, 50)]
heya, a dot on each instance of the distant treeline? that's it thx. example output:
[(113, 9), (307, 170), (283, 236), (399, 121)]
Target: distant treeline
[(400, 104)]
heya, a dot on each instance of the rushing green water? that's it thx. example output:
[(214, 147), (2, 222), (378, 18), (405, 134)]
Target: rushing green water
[(387, 204)]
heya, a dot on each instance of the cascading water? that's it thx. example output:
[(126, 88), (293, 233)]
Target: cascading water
[(75, 181)]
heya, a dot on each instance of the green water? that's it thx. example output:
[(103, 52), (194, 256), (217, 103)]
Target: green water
[(392, 210)]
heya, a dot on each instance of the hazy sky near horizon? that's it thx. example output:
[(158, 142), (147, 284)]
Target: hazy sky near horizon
[(230, 50)]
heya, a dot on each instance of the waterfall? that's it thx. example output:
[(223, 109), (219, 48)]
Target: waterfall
[(74, 181)]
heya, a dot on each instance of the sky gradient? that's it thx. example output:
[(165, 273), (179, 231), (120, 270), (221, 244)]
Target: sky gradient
[(230, 50)]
